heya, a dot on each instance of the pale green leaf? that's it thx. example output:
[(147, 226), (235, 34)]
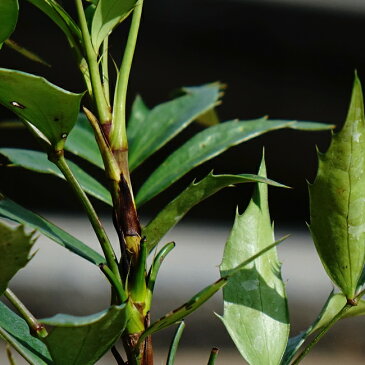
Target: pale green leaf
[(15, 246), (136, 122), (255, 304), (38, 161), (207, 144), (166, 120), (52, 110), (16, 213), (108, 14), (82, 143), (84, 340), (337, 201), (8, 18), (192, 195), (15, 331)]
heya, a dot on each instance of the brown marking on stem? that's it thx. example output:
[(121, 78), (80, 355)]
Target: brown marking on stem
[(352, 302), (106, 127), (147, 358)]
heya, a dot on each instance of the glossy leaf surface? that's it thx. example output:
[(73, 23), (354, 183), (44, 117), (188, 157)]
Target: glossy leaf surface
[(8, 18), (16, 213), (108, 14), (82, 143), (38, 161), (84, 340), (336, 201), (17, 334), (52, 110), (210, 143), (166, 120), (15, 246), (255, 304), (136, 122), (192, 195)]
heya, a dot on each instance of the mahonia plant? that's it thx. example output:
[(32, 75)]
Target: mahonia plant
[(92, 125)]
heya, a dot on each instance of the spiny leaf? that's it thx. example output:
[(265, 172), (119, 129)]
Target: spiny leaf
[(166, 120), (52, 110), (336, 201), (210, 143), (15, 331), (15, 246), (8, 18), (38, 161), (255, 304), (16, 213), (84, 340), (192, 195)]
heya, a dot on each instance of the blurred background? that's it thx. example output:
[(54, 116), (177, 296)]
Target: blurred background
[(289, 59)]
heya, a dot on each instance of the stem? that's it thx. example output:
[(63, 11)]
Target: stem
[(213, 356), (175, 344), (316, 339), (37, 327), (114, 282), (118, 358), (105, 244), (10, 355), (99, 97), (105, 69), (118, 135)]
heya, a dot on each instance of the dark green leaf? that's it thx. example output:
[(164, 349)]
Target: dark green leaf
[(52, 110), (15, 246), (255, 304), (38, 161), (166, 120), (16, 332), (108, 14), (81, 142), (8, 18), (16, 213), (192, 195), (336, 201), (84, 340), (207, 144)]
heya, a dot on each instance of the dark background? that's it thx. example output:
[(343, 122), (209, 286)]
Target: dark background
[(279, 60)]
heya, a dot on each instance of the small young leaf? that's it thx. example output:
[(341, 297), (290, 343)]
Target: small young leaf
[(15, 331), (192, 195), (16, 213), (84, 340), (81, 142), (52, 110), (255, 304), (166, 120), (175, 344), (38, 161), (8, 18), (208, 144), (15, 246), (336, 201), (108, 14)]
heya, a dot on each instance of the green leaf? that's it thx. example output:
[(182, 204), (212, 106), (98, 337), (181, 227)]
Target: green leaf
[(336, 201), (334, 304), (84, 340), (16, 213), (208, 144), (108, 14), (255, 304), (15, 246), (15, 331), (38, 161), (136, 122), (175, 344), (166, 120), (82, 143), (192, 195), (52, 110), (8, 18)]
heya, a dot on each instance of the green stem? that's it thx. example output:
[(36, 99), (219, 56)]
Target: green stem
[(105, 69), (213, 356), (92, 60), (37, 327), (316, 339), (10, 355), (106, 246), (175, 344), (114, 282), (118, 135)]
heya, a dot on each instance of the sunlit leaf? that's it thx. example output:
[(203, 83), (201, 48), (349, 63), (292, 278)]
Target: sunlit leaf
[(16, 213), (336, 201), (84, 340), (15, 246), (255, 304)]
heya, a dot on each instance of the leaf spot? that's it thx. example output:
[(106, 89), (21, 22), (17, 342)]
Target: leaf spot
[(56, 119), (64, 135), (17, 105)]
